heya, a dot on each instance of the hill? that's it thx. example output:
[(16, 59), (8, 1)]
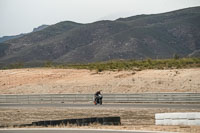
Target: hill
[(6, 38), (137, 37)]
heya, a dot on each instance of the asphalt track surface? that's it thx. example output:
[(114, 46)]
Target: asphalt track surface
[(70, 131), (119, 105)]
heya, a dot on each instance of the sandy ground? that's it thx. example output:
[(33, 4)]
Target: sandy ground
[(131, 119), (57, 81), (60, 81)]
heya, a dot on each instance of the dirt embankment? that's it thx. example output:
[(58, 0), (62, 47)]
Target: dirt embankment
[(42, 81)]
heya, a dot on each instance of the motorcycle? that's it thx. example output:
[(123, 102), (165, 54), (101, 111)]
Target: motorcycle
[(98, 99)]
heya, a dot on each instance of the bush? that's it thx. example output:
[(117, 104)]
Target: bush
[(176, 57), (16, 65), (121, 64), (48, 64)]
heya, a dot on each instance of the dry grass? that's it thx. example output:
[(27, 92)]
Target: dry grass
[(132, 119)]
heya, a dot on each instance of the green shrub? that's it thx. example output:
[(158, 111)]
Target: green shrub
[(121, 64), (176, 57), (48, 64)]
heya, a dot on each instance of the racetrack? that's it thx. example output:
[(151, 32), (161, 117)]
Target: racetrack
[(71, 131), (120, 105)]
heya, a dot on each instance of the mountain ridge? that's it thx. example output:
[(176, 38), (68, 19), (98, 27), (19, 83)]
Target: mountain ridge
[(6, 38), (137, 37)]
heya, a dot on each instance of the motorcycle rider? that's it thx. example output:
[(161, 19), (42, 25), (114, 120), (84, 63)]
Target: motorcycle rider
[(97, 95)]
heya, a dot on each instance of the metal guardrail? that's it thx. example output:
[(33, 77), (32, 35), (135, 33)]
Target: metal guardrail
[(107, 98)]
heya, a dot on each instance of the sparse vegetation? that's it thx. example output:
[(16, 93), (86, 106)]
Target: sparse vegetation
[(17, 65), (48, 64), (140, 64), (176, 56), (175, 63)]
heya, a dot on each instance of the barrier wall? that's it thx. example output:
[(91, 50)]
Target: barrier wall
[(190, 118), (107, 98), (78, 122)]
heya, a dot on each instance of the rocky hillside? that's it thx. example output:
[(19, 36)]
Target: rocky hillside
[(6, 38), (137, 37)]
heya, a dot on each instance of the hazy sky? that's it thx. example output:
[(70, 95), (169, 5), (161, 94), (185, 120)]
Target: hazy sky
[(21, 16)]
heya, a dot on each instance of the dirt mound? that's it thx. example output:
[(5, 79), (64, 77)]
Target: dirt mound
[(56, 81)]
